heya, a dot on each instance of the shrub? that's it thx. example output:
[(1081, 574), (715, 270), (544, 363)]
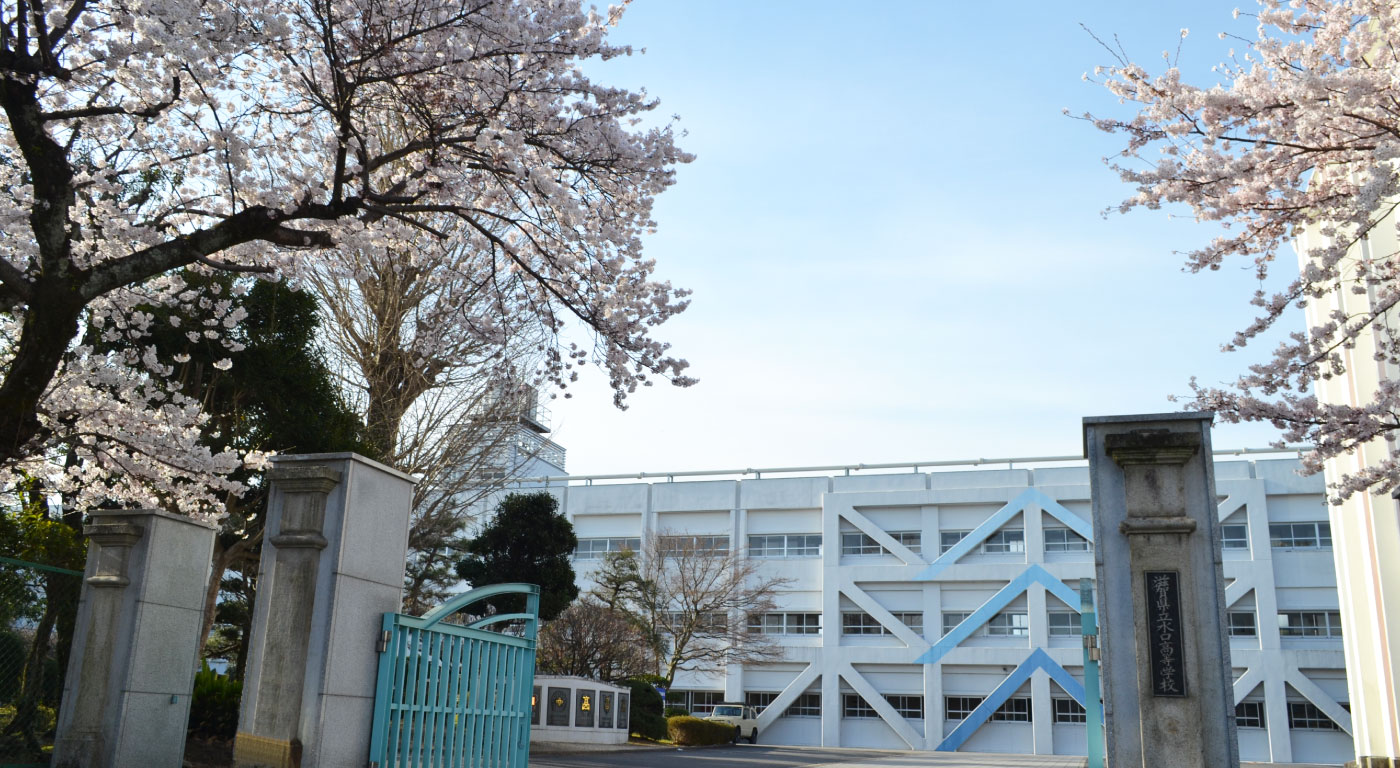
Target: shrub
[(214, 706), (647, 718), (689, 731), (648, 725), (674, 711)]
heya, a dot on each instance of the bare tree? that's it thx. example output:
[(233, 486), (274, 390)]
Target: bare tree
[(435, 374), (589, 639), (693, 599)]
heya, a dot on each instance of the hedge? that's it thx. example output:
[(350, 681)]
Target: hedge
[(689, 731)]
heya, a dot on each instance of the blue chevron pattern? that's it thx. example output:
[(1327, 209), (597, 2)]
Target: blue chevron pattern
[(1038, 660), (992, 524), (1034, 574)]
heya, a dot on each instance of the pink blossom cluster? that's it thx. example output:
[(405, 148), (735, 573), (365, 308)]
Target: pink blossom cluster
[(287, 136), (1301, 134)]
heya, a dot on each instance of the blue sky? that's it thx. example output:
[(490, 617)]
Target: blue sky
[(895, 237)]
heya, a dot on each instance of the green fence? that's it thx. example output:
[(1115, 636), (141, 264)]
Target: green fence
[(38, 605)]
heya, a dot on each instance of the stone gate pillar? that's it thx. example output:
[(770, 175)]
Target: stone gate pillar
[(332, 564), (126, 696), (1168, 689)]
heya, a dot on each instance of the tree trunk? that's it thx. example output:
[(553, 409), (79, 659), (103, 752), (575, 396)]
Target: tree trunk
[(224, 558)]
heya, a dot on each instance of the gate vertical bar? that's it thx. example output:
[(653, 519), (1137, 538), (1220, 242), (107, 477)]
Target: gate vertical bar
[(382, 684)]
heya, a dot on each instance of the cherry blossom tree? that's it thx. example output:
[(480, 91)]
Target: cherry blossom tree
[(1300, 136), (235, 135)]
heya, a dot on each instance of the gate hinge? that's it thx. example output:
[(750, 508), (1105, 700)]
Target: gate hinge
[(383, 646)]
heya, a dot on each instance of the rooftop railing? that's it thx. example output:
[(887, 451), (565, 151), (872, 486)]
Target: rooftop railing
[(847, 469)]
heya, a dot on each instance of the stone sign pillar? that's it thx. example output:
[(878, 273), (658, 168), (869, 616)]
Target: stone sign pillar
[(332, 565), (1168, 690), (126, 697)]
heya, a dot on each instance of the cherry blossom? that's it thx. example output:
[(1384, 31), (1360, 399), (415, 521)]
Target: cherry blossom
[(282, 136), (1297, 144)]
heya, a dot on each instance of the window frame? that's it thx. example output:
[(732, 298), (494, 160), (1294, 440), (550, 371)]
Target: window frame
[(804, 706), (910, 706), (1004, 624), (1319, 537), (1235, 627), (1331, 626), (862, 623), (855, 707), (965, 705), (944, 545), (1005, 541), (944, 619), (595, 553), (751, 699), (1067, 711), (862, 544), (793, 545), (1075, 624), (762, 624), (1305, 716), (1071, 540), (1016, 709), (1251, 713), (1234, 542)]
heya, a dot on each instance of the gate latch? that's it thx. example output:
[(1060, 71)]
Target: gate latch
[(384, 641)]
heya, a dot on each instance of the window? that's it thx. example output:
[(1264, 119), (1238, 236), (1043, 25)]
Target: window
[(951, 619), (703, 702), (785, 623), (1305, 716), (674, 546), (712, 622), (859, 544), (1007, 540), (862, 544), (806, 705), (699, 703), (853, 705), (1250, 714), (959, 707), (1234, 536), (911, 707), (595, 549), (1015, 710), (912, 540), (759, 700), (947, 539), (862, 623), (1064, 540), (1009, 625), (1064, 623), (1310, 623), (1300, 535), (1241, 624), (786, 545), (1069, 711), (912, 619)]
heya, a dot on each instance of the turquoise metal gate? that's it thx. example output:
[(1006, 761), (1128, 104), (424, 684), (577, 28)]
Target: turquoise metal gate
[(454, 696)]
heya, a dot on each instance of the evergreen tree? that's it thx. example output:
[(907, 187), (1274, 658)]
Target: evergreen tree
[(528, 540)]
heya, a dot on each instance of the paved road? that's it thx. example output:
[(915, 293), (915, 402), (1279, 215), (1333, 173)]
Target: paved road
[(745, 756)]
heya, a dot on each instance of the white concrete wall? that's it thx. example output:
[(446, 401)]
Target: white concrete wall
[(1270, 668)]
